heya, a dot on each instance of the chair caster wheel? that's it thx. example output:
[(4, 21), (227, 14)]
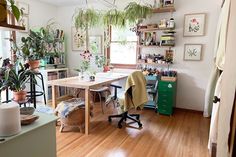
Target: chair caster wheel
[(109, 120), (140, 125), (119, 126)]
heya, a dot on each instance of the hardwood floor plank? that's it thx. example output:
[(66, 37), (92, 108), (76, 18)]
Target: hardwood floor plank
[(185, 134)]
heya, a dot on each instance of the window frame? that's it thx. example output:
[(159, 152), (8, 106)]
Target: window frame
[(108, 55)]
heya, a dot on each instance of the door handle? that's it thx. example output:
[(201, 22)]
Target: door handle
[(216, 99)]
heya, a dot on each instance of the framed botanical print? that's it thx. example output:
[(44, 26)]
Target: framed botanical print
[(78, 39), (192, 52), (95, 44), (24, 7), (194, 24), (24, 22)]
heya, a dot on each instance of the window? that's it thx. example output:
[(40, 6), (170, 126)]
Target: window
[(4, 52), (123, 46), (4, 45)]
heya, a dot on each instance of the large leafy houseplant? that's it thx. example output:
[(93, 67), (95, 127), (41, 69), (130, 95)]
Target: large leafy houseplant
[(36, 45), (16, 78)]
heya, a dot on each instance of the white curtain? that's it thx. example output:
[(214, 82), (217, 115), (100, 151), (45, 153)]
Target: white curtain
[(219, 57), (220, 49)]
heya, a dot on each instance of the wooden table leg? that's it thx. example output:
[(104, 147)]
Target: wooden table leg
[(87, 111), (54, 99)]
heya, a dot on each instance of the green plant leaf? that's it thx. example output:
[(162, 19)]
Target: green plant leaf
[(16, 12)]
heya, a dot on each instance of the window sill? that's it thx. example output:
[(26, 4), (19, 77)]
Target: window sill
[(125, 66)]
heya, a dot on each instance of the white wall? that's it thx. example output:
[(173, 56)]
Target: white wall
[(39, 14)]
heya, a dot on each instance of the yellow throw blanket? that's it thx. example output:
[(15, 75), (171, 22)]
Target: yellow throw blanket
[(139, 94)]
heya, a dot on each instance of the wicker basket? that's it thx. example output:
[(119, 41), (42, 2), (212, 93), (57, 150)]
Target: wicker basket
[(76, 118)]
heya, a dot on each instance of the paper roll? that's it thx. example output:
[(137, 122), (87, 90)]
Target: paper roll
[(9, 119)]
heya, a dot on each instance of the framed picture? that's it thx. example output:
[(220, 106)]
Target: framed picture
[(24, 7), (24, 21), (78, 39), (194, 24), (192, 52), (95, 44)]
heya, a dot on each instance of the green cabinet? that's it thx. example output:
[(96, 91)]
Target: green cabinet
[(166, 97)]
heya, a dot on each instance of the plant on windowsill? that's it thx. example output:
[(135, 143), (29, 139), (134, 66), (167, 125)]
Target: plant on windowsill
[(3, 83), (101, 62), (16, 77)]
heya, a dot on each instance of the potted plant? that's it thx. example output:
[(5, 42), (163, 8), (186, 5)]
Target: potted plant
[(16, 77), (12, 8), (101, 62), (135, 13), (86, 56), (36, 46)]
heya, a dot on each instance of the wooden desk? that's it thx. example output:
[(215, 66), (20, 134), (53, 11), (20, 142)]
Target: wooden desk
[(76, 82)]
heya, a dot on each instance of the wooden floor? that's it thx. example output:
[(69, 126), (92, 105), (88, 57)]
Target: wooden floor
[(184, 134)]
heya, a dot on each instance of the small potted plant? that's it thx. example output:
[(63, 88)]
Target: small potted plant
[(86, 56), (16, 78), (101, 62)]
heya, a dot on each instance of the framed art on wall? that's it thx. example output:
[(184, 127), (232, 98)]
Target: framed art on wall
[(192, 52), (24, 21), (194, 24), (95, 44), (78, 39), (24, 7)]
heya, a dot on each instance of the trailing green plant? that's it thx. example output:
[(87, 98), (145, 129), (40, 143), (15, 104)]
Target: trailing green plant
[(17, 78), (135, 12), (85, 19), (115, 18)]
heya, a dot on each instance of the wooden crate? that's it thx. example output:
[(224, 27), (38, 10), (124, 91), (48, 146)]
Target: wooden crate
[(168, 78)]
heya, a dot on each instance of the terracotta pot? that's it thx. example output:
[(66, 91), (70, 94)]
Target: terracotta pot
[(19, 96), (3, 11), (106, 68), (34, 64)]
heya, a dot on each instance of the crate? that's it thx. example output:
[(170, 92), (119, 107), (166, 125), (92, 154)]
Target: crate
[(168, 78)]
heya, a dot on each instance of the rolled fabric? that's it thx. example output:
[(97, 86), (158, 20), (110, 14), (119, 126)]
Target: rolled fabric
[(9, 119)]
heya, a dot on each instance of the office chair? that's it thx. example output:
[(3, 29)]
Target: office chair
[(134, 96)]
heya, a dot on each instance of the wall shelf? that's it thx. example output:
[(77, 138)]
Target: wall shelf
[(154, 29), (154, 46), (11, 27), (164, 10), (164, 64)]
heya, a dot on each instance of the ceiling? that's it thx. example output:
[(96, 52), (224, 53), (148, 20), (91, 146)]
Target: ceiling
[(83, 2)]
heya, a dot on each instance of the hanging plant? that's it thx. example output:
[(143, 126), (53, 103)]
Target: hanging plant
[(135, 13), (85, 19), (114, 18)]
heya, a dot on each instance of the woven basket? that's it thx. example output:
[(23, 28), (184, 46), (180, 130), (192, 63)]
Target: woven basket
[(76, 118)]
